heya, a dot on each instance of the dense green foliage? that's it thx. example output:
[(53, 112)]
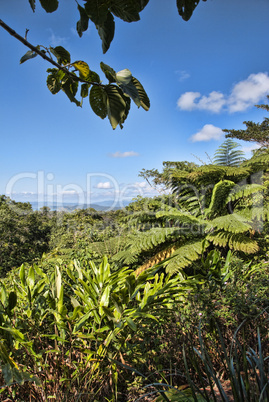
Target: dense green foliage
[(176, 310)]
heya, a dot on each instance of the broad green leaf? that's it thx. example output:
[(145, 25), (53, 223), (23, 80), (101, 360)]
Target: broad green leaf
[(53, 82), (83, 23), (145, 102), (116, 105), (104, 301), (22, 275), (70, 88), (85, 72), (49, 5), (3, 294), (17, 335), (62, 55), (28, 55), (131, 91), (98, 101), (127, 10), (131, 323), (7, 373), (84, 90), (12, 300), (106, 32), (32, 4), (109, 72), (31, 277), (97, 10)]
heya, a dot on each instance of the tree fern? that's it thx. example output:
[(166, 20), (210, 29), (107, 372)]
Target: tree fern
[(227, 155), (219, 198), (235, 241), (233, 223)]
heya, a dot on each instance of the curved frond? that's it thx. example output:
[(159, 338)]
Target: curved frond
[(233, 223), (237, 242), (244, 191), (184, 256), (219, 197)]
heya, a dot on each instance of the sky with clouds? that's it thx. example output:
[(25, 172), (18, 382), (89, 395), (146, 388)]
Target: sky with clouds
[(201, 76)]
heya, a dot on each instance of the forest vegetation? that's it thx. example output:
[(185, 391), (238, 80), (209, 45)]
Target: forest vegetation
[(164, 300)]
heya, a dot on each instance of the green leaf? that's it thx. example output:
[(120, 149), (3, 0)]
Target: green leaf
[(106, 32), (83, 23), (109, 72), (28, 55), (70, 88), (131, 323), (97, 10), (49, 5), (104, 301), (32, 4), (12, 300), (84, 90), (62, 55), (145, 102), (58, 281), (98, 101), (22, 275), (54, 83), (116, 105), (85, 73), (7, 373), (31, 277), (131, 91), (127, 10)]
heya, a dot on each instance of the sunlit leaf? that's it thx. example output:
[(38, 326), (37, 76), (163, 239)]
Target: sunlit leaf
[(28, 55), (62, 55), (145, 102), (116, 105)]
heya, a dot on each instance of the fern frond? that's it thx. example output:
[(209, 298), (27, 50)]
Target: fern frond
[(237, 242), (233, 223), (179, 216), (184, 256), (156, 259), (219, 197), (244, 191)]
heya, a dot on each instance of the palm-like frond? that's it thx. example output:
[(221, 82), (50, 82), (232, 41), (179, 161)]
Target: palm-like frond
[(235, 241), (184, 256), (219, 197), (233, 223)]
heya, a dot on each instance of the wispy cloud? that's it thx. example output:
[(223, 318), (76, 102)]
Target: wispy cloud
[(104, 185), (207, 133), (126, 154), (249, 148), (243, 95), (55, 40), (182, 75)]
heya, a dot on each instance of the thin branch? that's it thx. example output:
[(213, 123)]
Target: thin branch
[(42, 54)]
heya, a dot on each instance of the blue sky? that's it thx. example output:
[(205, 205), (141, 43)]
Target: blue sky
[(201, 76)]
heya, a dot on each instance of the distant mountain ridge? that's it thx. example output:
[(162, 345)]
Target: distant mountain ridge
[(70, 206)]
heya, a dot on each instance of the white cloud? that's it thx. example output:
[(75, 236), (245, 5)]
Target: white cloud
[(126, 154), (243, 95), (182, 75), (56, 40), (207, 133), (104, 185), (249, 148)]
